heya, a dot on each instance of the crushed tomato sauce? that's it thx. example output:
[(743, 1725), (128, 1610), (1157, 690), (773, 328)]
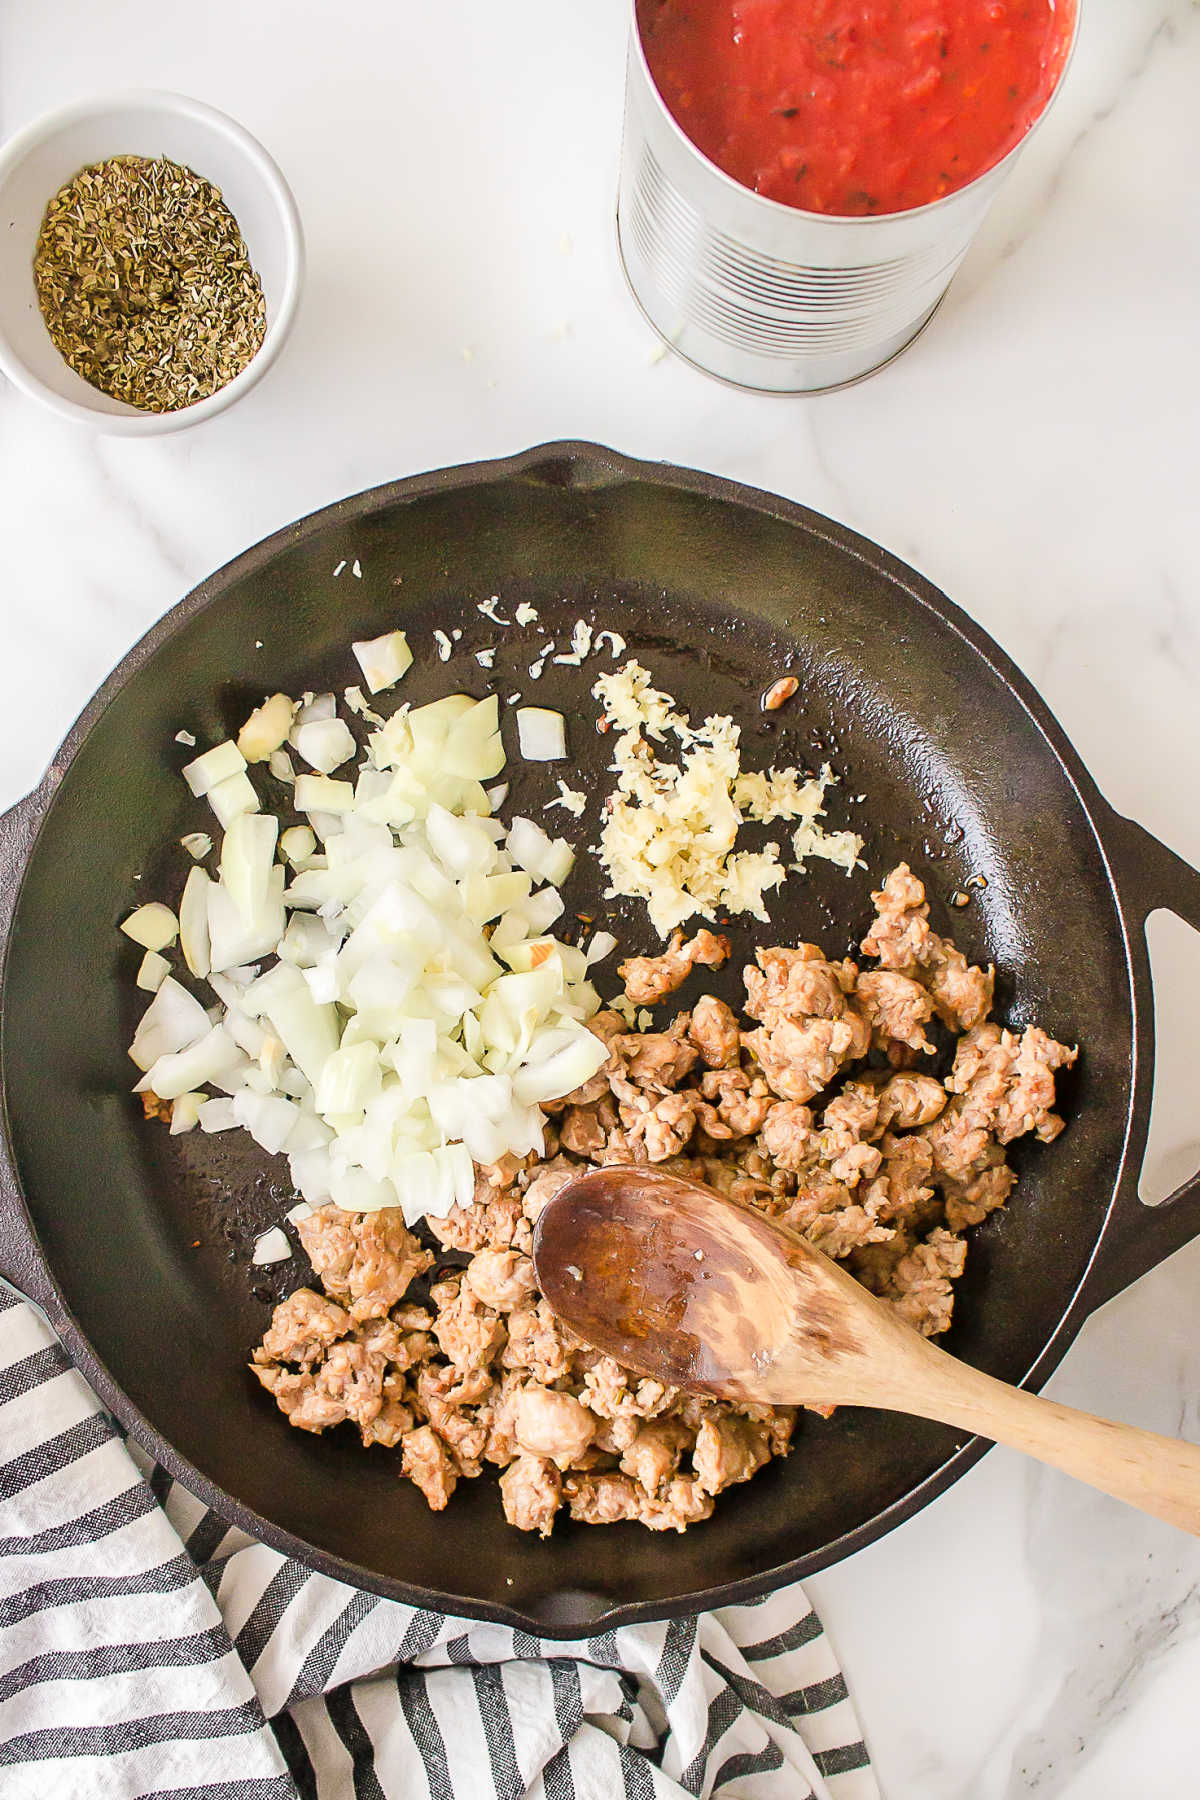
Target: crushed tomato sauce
[(855, 107)]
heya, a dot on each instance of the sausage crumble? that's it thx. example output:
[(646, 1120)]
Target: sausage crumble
[(823, 1113)]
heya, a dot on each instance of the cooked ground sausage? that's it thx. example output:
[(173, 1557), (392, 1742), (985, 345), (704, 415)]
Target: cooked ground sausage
[(881, 1167)]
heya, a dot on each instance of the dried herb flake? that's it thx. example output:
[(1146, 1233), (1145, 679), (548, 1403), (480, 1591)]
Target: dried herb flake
[(146, 284)]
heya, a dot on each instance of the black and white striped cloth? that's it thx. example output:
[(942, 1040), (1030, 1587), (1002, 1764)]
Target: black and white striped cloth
[(148, 1650)]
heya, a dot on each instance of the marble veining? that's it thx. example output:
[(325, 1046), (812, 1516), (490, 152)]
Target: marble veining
[(1035, 454)]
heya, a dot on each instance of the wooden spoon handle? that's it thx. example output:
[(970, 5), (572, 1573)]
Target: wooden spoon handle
[(1158, 1475)]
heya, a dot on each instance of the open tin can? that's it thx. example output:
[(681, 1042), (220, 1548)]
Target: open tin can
[(768, 296)]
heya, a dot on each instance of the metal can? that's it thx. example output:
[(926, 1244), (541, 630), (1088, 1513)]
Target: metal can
[(765, 295)]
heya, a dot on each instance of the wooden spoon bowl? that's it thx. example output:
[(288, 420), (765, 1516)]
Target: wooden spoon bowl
[(679, 1283)]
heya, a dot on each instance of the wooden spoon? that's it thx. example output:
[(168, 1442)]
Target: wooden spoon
[(679, 1283)]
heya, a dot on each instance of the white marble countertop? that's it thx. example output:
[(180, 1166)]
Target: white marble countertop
[(1035, 453)]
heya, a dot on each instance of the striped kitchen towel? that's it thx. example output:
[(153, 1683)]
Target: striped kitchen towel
[(148, 1650)]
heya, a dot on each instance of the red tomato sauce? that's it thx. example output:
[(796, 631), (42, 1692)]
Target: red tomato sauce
[(855, 106)]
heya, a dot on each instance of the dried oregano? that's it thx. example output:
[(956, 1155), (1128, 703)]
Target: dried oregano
[(145, 283)]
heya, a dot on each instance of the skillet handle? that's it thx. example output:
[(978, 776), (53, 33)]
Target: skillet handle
[(1138, 1237), (21, 1262)]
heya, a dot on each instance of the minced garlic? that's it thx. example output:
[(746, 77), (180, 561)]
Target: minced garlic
[(670, 831)]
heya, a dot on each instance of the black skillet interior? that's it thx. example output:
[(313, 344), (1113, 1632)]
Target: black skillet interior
[(718, 592)]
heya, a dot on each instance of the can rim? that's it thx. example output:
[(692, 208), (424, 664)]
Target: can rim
[(638, 50)]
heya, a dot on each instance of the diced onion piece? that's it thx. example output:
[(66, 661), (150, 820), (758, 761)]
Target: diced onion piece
[(309, 1133), (541, 909), (306, 941), (233, 796), (462, 845), (348, 1080), (567, 1067), (325, 744), (234, 939), (603, 944), (193, 923), (153, 926), (497, 795), (272, 1060), (310, 1172), (153, 971), (203, 1061), (356, 1191), (185, 1112), (485, 897), (266, 728), (298, 844), (308, 1030), (542, 734), (247, 861), (217, 1115), (173, 1020), (320, 794), (559, 863), (313, 706), (383, 660), (219, 764), (325, 824), (301, 1210), (356, 700), (268, 1118), (196, 843), (429, 1183), (271, 1247), (528, 845), (280, 765)]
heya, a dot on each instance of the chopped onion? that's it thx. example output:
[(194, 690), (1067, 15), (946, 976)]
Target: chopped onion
[(603, 944), (357, 702), (185, 1112), (153, 926), (233, 796), (196, 843), (234, 939), (301, 1210), (318, 793), (173, 1020), (247, 861), (217, 1115), (297, 844), (280, 765), (559, 863), (193, 923), (542, 734), (271, 1247), (307, 1030), (269, 1119), (219, 764), (266, 728), (383, 660), (306, 940), (153, 971), (396, 1034), (205, 1060), (530, 848), (325, 744)]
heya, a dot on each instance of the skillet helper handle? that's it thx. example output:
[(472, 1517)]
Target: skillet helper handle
[(1158, 1475), (21, 1261), (1150, 878)]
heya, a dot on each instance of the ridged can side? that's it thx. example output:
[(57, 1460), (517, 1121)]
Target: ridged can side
[(762, 294)]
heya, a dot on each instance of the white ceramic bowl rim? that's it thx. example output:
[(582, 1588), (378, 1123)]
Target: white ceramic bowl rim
[(162, 101)]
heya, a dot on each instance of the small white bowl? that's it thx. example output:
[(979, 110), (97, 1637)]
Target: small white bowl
[(43, 156)]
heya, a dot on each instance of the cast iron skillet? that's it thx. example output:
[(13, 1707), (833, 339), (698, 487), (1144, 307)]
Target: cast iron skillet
[(719, 588)]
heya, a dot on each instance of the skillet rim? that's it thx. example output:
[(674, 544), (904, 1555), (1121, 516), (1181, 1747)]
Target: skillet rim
[(582, 464)]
